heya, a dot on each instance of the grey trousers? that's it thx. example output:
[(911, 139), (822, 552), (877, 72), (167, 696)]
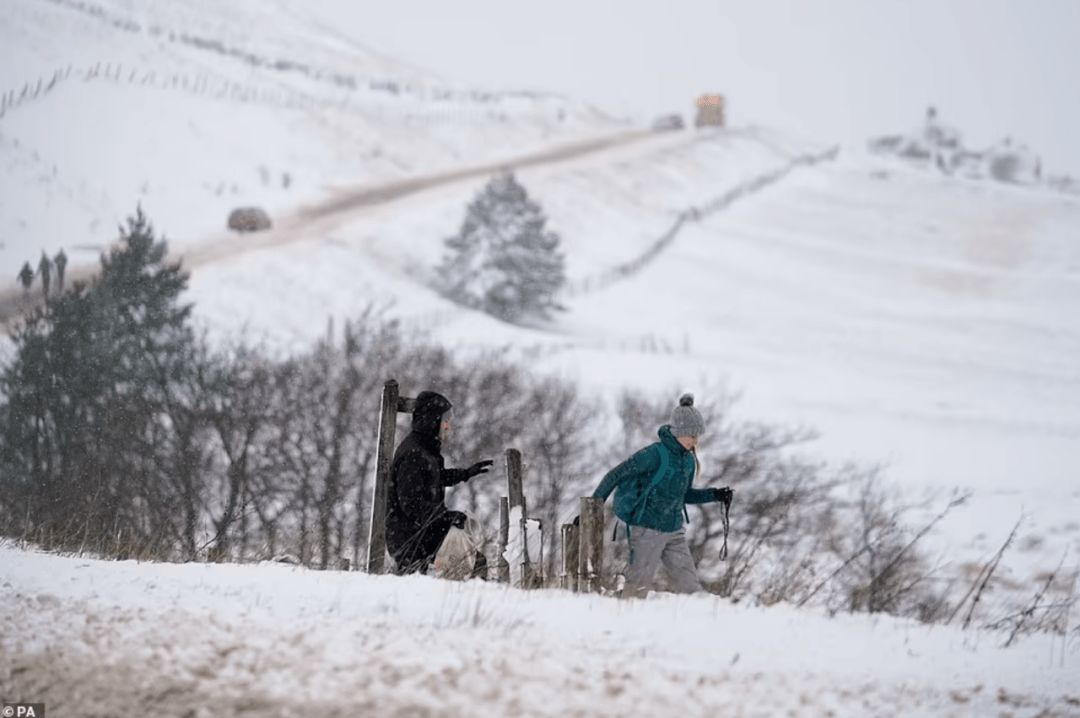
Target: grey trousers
[(648, 549)]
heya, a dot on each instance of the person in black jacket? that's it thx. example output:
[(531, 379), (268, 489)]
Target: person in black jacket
[(417, 520)]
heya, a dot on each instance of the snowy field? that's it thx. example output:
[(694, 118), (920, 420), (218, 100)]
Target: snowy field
[(95, 638), (927, 324)]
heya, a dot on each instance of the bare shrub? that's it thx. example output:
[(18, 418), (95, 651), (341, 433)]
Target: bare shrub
[(882, 568), (781, 517), (1046, 612), (320, 453)]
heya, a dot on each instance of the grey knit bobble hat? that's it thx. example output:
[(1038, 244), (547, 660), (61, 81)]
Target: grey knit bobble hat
[(685, 419)]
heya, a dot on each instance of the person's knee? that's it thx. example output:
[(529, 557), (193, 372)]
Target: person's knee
[(685, 580), (683, 576)]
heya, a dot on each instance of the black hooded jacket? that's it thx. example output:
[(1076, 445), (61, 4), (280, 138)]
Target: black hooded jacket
[(417, 520)]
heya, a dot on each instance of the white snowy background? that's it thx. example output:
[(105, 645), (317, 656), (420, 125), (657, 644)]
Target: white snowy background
[(926, 323)]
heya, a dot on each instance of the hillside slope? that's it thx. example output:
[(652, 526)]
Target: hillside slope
[(195, 108), (919, 322)]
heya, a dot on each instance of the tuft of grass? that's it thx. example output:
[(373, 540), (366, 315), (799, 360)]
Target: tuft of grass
[(475, 611)]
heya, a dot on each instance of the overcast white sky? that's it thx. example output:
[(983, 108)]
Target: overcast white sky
[(839, 70)]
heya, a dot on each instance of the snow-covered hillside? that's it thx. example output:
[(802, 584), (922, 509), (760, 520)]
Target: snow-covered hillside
[(925, 323), (194, 108), (88, 637)]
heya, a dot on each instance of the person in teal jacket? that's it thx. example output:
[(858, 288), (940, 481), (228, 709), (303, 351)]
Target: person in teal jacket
[(652, 489)]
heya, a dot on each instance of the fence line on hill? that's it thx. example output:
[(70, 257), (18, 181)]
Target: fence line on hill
[(604, 279), (457, 108)]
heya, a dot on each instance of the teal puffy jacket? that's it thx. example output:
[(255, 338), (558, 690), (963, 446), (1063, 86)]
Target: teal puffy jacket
[(664, 505)]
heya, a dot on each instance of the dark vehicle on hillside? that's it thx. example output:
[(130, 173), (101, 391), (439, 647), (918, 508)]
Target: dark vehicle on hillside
[(249, 219)]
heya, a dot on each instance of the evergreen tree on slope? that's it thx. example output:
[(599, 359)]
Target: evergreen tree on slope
[(82, 399), (503, 261)]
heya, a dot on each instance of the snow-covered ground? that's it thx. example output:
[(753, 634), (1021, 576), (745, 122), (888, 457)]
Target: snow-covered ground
[(89, 637), (928, 323)]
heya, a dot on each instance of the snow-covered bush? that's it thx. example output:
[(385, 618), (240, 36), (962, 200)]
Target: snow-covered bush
[(1010, 162), (1064, 183)]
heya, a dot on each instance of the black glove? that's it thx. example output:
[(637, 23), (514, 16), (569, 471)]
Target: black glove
[(480, 467), (724, 495), (457, 519)]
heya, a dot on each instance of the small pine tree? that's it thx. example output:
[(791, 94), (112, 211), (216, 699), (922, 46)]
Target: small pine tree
[(503, 261)]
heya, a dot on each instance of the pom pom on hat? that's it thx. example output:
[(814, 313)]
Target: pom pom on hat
[(686, 399)]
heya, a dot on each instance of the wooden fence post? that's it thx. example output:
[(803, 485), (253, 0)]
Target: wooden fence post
[(591, 545), (513, 478), (571, 549), (516, 499), (384, 458), (503, 571), (530, 575), (376, 558)]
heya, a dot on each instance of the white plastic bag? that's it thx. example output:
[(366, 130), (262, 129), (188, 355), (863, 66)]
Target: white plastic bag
[(456, 558), (525, 538)]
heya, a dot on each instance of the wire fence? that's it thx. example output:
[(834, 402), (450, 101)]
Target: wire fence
[(623, 271), (378, 99)]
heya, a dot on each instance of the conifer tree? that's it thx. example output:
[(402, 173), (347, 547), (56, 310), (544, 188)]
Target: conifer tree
[(503, 261), (81, 401)]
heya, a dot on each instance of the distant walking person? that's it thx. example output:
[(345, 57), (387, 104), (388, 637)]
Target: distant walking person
[(417, 520), (45, 270), (652, 489), (60, 260), (26, 277)]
